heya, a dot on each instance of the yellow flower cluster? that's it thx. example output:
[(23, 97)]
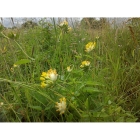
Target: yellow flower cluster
[(85, 64), (64, 23), (48, 78), (69, 29), (69, 68), (3, 50), (65, 27), (1, 104), (90, 46), (61, 107), (14, 66)]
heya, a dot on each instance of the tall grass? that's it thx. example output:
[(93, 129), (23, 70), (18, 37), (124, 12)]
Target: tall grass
[(105, 91)]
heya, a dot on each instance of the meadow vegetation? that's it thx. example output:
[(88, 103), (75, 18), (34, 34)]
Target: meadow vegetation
[(83, 72)]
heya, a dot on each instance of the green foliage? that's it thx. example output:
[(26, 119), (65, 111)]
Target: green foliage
[(22, 61), (1, 27), (105, 91), (93, 23), (29, 24)]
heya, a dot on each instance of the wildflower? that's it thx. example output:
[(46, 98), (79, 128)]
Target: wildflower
[(69, 29), (1, 104), (12, 69), (83, 39), (44, 76), (52, 74), (61, 107), (65, 27), (48, 78), (43, 84), (14, 35), (69, 68), (64, 23), (4, 50), (90, 46), (15, 65), (85, 64), (97, 37)]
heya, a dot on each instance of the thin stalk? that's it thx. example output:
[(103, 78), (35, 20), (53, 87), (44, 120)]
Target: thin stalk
[(19, 47)]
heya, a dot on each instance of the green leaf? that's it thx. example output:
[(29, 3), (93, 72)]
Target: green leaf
[(97, 57), (91, 90), (47, 108), (69, 118), (88, 56), (121, 119), (78, 56), (39, 98), (137, 104), (62, 77), (93, 83), (85, 118), (36, 107), (22, 61), (87, 104), (133, 52), (118, 109), (77, 93), (103, 114), (77, 72), (109, 102), (131, 119)]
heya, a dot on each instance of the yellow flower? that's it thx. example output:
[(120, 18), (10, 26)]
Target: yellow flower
[(97, 37), (44, 76), (69, 29), (1, 104), (64, 23), (85, 64), (43, 84), (61, 107), (69, 68), (15, 65), (52, 74), (4, 50), (12, 69), (90, 46), (48, 77), (14, 35)]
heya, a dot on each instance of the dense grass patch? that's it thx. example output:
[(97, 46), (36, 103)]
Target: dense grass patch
[(56, 73)]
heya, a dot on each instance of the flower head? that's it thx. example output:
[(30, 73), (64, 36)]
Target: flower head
[(69, 68), (85, 64), (90, 46), (1, 104), (69, 29), (15, 65), (64, 23), (61, 107), (65, 28), (44, 84), (48, 77), (4, 49), (52, 74), (97, 37)]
